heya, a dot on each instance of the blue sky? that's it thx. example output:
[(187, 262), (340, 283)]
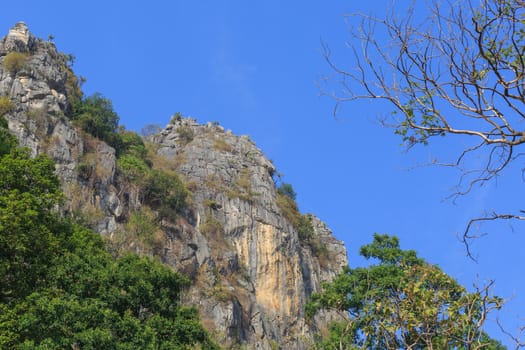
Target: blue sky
[(253, 67)]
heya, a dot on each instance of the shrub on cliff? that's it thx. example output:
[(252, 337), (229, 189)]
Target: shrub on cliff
[(288, 206), (95, 115), (6, 105), (15, 61), (287, 190), (166, 193), (7, 140), (133, 169)]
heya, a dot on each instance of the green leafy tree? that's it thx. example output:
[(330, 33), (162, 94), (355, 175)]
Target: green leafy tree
[(7, 140), (95, 115), (132, 144), (403, 303), (29, 191), (133, 168), (95, 302)]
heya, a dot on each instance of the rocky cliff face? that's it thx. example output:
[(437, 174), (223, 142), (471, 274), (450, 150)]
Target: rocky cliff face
[(252, 273)]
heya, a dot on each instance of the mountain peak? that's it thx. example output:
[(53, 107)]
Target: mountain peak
[(206, 197), (19, 38)]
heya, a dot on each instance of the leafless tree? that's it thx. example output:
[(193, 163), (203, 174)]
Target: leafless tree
[(457, 69)]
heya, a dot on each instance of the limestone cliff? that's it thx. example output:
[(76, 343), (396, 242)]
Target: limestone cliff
[(251, 272)]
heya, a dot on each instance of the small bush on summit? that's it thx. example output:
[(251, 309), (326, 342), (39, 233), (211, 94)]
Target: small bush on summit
[(287, 190), (185, 134), (15, 61)]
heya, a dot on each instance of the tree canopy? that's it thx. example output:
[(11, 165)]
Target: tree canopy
[(403, 303)]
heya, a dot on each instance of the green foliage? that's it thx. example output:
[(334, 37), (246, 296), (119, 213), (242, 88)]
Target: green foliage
[(289, 209), (62, 289), (7, 140), (6, 105), (286, 189), (95, 115), (338, 333), (420, 111), (142, 229), (73, 91), (302, 223), (29, 190), (129, 142), (402, 303), (97, 302), (133, 168), (141, 224), (162, 190), (166, 193), (15, 61), (304, 228)]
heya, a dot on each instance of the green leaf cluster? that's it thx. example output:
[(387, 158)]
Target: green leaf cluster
[(29, 191), (165, 192), (402, 303), (7, 140), (95, 115)]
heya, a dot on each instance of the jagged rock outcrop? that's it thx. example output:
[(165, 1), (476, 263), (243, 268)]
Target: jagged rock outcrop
[(252, 273), (263, 266), (37, 88), (41, 87)]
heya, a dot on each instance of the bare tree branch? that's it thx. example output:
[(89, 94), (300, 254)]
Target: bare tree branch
[(468, 235), (516, 339), (460, 71)]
